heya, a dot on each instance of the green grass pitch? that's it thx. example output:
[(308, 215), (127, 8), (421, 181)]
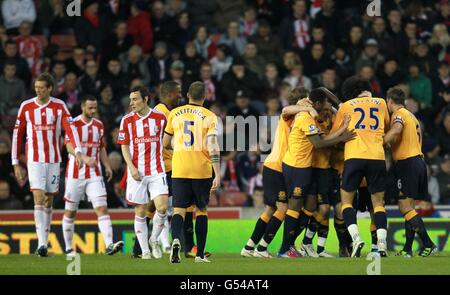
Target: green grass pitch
[(225, 264)]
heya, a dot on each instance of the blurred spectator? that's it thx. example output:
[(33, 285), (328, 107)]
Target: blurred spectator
[(407, 40), (184, 32), (177, 74), (316, 61), (52, 17), (22, 69), (239, 78), (5, 158), (221, 62), (441, 88), (192, 62), (76, 63), (297, 79), (140, 27), (70, 93), (116, 78), (3, 36), (158, 64), (163, 24), (12, 89), (290, 59), (271, 81), (433, 187), (355, 43), (91, 28), (134, 65), (248, 24), (235, 41), (175, 7), (294, 31), (201, 11), (267, 43), (443, 178), (252, 60), (390, 75), (378, 32), (58, 72), (370, 56), (329, 79), (228, 11), (247, 168), (14, 12), (116, 162), (342, 63), (90, 81), (30, 48), (7, 200), (108, 109), (367, 72), (329, 20), (116, 44), (440, 42), (211, 85), (443, 134), (203, 44), (419, 84)]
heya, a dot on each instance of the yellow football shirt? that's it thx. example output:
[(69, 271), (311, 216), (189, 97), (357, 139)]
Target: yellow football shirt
[(167, 154), (300, 149), (190, 125), (370, 120), (280, 145), (321, 157), (409, 144)]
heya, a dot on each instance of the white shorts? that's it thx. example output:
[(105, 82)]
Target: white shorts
[(44, 176), (138, 191), (76, 189)]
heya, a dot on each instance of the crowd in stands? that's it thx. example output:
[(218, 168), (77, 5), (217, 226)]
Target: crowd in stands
[(249, 53)]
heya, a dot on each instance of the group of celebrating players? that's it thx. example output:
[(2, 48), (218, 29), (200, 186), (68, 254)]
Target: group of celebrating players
[(321, 157)]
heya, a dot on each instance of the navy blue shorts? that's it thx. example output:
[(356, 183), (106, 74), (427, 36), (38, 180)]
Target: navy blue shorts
[(297, 180), (335, 189), (412, 179), (321, 185), (356, 169), (188, 191), (169, 181), (274, 187)]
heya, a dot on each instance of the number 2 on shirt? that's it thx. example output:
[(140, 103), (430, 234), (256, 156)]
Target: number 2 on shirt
[(372, 115)]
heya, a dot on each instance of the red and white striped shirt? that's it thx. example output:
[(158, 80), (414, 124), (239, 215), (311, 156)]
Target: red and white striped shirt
[(42, 125), (144, 136), (91, 140)]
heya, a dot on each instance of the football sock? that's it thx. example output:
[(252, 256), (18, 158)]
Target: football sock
[(201, 231), (105, 226), (272, 227), (290, 225), (141, 230), (158, 225), (68, 228), (258, 231), (188, 231), (48, 221), (39, 220), (419, 227)]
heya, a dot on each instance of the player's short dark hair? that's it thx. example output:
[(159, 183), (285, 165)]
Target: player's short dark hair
[(10, 42), (317, 95), (88, 97), (197, 90), (168, 87), (353, 86), (143, 91), (47, 78), (296, 94), (9, 62), (397, 95)]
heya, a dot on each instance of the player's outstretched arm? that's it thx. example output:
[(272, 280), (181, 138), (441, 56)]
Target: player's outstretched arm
[(289, 111), (393, 133), (339, 131), (127, 157), (330, 95), (320, 143), (214, 152)]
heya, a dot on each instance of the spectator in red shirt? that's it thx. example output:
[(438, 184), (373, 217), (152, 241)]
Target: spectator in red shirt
[(140, 27), (30, 47)]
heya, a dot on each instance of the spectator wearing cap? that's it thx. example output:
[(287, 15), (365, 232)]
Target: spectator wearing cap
[(235, 41), (134, 65), (389, 74), (443, 178), (294, 30), (15, 12), (158, 64), (420, 85), (12, 89), (163, 24), (239, 78), (203, 44), (91, 28), (90, 81), (221, 62), (140, 27), (267, 43), (117, 43), (177, 74), (370, 56), (253, 61)]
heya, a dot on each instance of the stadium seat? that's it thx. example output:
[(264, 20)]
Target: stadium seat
[(43, 39), (66, 43), (231, 199)]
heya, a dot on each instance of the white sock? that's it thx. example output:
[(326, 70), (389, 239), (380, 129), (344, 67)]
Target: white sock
[(141, 230), (68, 228), (39, 220), (263, 243), (321, 241), (381, 235), (105, 226), (158, 224), (354, 232), (164, 236), (309, 234), (48, 222), (250, 243)]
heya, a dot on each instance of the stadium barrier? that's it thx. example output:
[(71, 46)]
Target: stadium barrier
[(227, 232)]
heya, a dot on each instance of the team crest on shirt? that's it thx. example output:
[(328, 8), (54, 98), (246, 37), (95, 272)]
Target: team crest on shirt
[(312, 128), (155, 129), (70, 120), (17, 123), (282, 196), (121, 136)]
